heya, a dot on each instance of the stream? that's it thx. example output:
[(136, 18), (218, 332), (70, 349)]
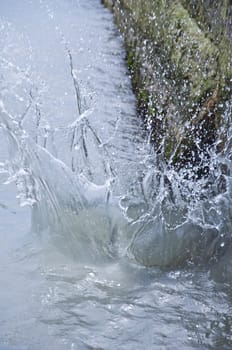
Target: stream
[(102, 245)]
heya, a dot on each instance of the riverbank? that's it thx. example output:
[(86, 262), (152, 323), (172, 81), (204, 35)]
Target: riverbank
[(179, 56)]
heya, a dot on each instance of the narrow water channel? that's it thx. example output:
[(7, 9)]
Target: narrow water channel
[(101, 248)]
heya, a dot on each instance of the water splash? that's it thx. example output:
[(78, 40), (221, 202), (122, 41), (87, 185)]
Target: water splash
[(97, 196)]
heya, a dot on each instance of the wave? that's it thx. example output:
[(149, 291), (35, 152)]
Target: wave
[(110, 197)]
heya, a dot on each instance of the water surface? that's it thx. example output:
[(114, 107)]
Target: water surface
[(100, 247)]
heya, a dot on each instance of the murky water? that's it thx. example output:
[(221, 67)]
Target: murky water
[(107, 250)]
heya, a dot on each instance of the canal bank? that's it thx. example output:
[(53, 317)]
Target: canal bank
[(179, 56)]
